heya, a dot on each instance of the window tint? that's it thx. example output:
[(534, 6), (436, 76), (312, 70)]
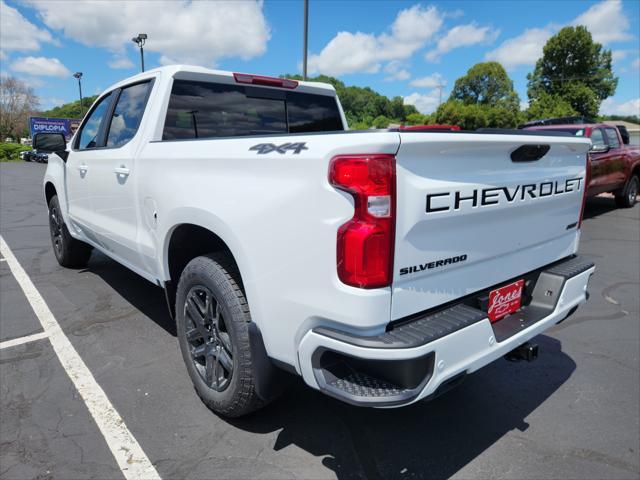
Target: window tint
[(613, 138), (312, 113), (91, 128), (127, 114), (206, 110), (597, 138)]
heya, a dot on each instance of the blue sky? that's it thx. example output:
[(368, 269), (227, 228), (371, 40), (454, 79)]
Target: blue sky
[(404, 48)]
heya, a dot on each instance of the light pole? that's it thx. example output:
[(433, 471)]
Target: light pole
[(78, 75), (306, 34), (140, 40)]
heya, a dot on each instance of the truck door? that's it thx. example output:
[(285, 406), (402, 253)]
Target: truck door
[(599, 163), (616, 158), (112, 183), (80, 165)]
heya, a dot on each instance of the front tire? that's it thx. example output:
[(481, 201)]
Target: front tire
[(627, 198), (213, 318), (69, 252)]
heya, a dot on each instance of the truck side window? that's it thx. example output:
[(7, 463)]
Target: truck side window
[(127, 114), (597, 138), (613, 138), (88, 137)]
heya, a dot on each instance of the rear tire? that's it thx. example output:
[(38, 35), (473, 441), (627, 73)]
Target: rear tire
[(70, 252), (627, 197), (212, 316)]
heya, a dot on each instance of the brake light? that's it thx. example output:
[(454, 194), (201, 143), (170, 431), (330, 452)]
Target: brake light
[(365, 243), (587, 178), (267, 81)]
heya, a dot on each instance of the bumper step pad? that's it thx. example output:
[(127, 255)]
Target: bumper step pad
[(415, 331), (362, 385)]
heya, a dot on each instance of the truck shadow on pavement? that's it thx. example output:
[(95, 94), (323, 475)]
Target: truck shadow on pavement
[(597, 206), (426, 440)]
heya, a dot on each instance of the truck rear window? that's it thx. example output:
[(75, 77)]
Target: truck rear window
[(210, 110)]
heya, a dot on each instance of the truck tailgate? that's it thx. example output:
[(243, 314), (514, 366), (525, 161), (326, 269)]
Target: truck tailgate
[(470, 217)]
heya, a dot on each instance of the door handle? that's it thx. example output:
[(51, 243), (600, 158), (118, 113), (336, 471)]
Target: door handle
[(82, 168), (121, 170)]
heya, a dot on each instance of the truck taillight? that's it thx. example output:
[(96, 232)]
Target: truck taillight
[(587, 178), (366, 242)]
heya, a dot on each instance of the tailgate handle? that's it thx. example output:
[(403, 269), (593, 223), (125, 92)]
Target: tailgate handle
[(529, 153)]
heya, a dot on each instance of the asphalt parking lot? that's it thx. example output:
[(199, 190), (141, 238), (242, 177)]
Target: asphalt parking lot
[(573, 414)]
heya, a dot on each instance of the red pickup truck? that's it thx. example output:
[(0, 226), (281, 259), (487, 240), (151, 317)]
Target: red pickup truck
[(615, 167)]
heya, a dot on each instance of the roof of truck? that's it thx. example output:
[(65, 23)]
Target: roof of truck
[(173, 70)]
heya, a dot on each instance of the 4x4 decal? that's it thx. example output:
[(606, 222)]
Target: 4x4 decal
[(263, 148)]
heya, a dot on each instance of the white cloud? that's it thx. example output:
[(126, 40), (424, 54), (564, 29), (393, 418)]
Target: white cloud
[(462, 36), (400, 75), (118, 62), (19, 34), (606, 21), (359, 52), (524, 49), (524, 105), (611, 107), (424, 102), (181, 31), (432, 81), (40, 67), (396, 72)]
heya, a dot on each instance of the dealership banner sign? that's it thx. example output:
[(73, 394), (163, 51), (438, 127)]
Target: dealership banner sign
[(66, 126)]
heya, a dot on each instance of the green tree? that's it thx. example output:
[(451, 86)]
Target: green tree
[(381, 122), (549, 106), (362, 105), (71, 109), (574, 68), (484, 97), (475, 115), (417, 119), (486, 84)]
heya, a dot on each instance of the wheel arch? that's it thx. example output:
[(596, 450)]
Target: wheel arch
[(187, 240), (49, 191)]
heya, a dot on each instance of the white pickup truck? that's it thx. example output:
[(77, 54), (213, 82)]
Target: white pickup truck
[(380, 266)]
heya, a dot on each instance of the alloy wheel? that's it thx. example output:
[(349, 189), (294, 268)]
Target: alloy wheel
[(633, 190), (55, 224), (208, 338)]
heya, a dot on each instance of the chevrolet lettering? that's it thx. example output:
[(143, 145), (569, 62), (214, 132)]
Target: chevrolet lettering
[(445, 201)]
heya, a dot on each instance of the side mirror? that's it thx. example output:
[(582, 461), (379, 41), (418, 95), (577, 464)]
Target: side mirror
[(51, 143), (599, 148)]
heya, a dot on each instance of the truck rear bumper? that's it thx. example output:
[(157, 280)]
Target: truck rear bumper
[(424, 355)]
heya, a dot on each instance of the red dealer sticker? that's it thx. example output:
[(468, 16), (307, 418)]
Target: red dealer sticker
[(505, 300)]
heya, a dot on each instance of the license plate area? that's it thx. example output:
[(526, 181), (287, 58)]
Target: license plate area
[(504, 300)]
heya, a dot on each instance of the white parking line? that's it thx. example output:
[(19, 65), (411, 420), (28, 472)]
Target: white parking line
[(21, 340), (131, 459)]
